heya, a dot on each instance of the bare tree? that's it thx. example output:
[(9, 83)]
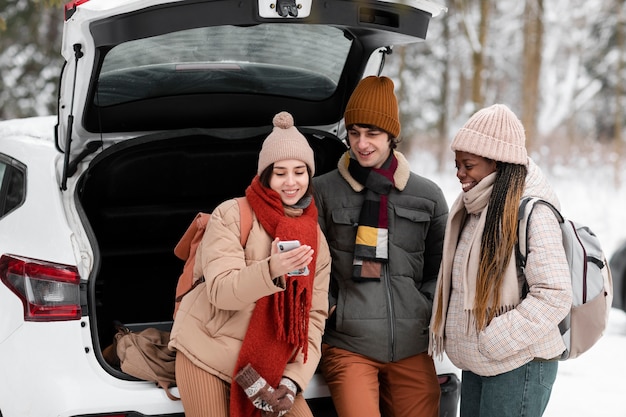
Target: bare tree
[(476, 34), (619, 91), (30, 63), (443, 126), (478, 54), (531, 67)]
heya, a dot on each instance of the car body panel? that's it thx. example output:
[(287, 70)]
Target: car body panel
[(34, 147), (617, 263), (85, 390)]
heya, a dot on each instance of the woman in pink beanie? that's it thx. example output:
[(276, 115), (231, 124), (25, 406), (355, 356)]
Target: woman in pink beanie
[(248, 337), (499, 326)]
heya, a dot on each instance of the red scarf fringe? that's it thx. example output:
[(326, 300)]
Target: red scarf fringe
[(279, 325)]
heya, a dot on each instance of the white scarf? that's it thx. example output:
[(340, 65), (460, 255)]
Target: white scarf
[(474, 201)]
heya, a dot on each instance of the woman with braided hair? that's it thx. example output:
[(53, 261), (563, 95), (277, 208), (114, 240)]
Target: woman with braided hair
[(499, 326), (248, 338)]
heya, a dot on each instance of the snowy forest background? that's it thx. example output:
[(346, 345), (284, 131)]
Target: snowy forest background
[(559, 64)]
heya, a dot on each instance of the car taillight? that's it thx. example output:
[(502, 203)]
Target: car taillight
[(70, 7), (130, 414), (49, 291)]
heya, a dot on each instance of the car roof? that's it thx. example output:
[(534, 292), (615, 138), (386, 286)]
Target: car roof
[(151, 65)]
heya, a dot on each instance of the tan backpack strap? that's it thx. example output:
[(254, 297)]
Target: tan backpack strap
[(166, 388), (245, 213)]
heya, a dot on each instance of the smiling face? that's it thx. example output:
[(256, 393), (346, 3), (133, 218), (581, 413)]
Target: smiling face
[(290, 179), (471, 169), (371, 146)]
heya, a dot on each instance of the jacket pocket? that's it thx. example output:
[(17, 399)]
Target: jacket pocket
[(230, 324), (410, 228), (343, 234)]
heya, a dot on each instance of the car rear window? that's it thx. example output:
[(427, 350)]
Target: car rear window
[(12, 185), (291, 60)]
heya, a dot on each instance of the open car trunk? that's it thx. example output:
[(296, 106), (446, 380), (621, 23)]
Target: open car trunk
[(139, 197)]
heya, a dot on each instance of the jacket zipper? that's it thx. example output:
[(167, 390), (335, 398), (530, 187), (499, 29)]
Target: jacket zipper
[(390, 309)]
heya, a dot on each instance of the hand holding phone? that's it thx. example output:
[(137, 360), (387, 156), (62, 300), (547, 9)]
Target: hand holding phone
[(286, 246)]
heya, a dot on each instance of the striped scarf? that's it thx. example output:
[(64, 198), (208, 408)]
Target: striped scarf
[(371, 249)]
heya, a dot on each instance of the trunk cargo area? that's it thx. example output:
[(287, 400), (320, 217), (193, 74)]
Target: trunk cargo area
[(139, 196)]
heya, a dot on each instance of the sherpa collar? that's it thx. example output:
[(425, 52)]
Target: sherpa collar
[(400, 178)]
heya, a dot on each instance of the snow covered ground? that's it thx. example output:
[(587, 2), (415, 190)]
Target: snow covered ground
[(594, 384)]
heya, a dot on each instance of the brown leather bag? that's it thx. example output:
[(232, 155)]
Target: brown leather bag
[(144, 354)]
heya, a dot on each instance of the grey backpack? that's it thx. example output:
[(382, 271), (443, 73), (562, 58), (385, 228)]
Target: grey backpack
[(592, 284)]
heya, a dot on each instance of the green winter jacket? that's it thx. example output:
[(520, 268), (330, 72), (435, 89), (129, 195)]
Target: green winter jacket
[(386, 320)]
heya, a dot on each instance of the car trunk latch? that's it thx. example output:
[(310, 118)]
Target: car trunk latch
[(286, 8)]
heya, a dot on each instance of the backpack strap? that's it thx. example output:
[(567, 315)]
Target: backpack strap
[(245, 214), (525, 210), (166, 387), (196, 229)]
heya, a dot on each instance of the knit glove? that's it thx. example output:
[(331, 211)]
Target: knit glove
[(285, 395), (256, 388), (272, 402)]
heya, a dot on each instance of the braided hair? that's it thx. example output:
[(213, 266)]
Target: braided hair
[(498, 239)]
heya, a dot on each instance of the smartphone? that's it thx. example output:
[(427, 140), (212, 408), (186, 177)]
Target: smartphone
[(287, 245)]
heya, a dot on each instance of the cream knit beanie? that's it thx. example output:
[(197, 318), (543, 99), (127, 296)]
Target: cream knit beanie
[(494, 132), (285, 142)]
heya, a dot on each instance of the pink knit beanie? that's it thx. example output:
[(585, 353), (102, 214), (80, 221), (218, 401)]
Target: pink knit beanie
[(285, 142), (494, 132), (373, 102)]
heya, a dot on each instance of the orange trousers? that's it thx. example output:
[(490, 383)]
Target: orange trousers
[(205, 395), (362, 387)]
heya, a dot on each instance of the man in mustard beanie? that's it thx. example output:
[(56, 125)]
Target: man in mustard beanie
[(385, 226)]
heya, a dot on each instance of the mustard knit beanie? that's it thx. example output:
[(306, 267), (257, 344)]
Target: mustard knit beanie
[(494, 132), (373, 102), (285, 142)]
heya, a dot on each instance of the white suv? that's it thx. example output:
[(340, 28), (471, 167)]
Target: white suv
[(163, 106)]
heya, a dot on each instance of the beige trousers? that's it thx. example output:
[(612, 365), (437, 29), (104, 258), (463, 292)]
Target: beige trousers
[(205, 395)]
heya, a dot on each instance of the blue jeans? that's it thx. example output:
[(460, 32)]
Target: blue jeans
[(522, 392)]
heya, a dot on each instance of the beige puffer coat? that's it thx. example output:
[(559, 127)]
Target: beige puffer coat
[(212, 319)]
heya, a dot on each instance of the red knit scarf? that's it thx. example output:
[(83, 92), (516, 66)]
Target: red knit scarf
[(279, 326)]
